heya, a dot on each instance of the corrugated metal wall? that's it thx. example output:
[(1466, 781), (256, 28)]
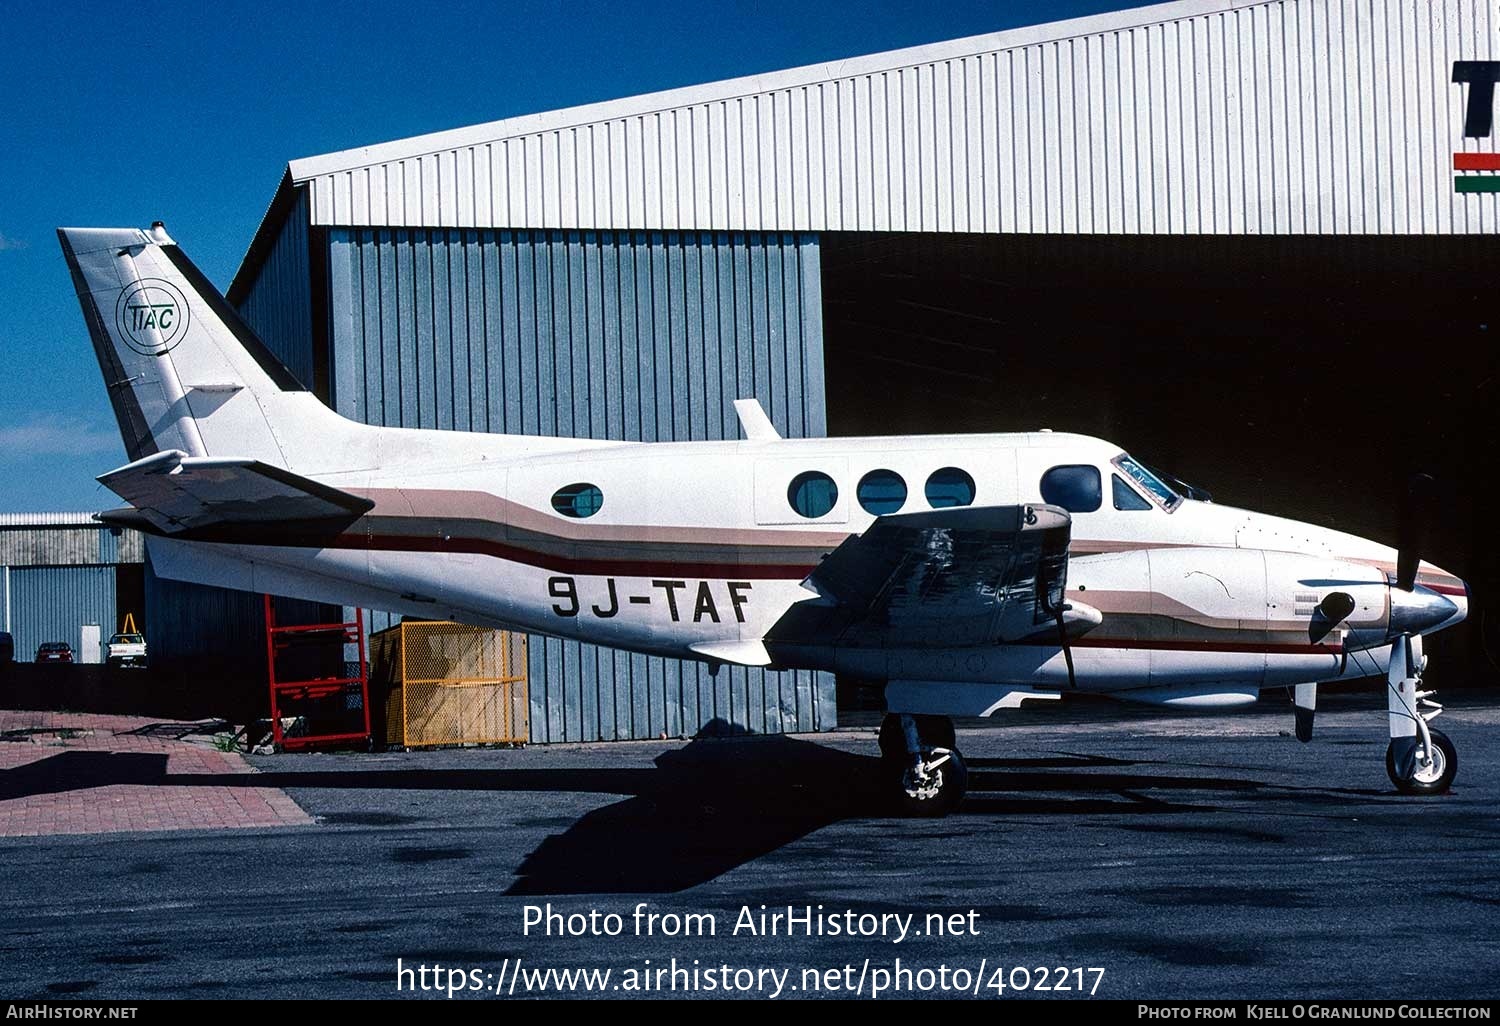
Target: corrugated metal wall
[(629, 335), (51, 603), (65, 540), (1205, 116), (278, 306), (216, 632), (641, 336), (211, 627)]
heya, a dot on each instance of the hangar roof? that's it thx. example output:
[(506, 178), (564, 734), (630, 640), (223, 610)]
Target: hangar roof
[(1198, 116)]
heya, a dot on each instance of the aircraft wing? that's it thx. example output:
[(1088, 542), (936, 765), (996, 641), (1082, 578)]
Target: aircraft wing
[(174, 492), (946, 578)]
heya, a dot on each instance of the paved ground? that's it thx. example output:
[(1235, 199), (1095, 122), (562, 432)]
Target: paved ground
[(1187, 857), (72, 773)]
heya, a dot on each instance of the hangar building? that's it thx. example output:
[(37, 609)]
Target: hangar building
[(1250, 241), (66, 577)]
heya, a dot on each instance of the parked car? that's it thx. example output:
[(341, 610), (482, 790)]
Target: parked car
[(127, 650), (54, 652), (7, 647)]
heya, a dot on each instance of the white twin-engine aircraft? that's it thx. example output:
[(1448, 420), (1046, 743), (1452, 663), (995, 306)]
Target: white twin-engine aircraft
[(969, 572)]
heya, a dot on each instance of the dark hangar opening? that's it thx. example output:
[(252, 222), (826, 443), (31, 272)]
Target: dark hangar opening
[(1305, 376)]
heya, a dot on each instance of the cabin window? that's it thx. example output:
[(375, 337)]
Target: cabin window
[(812, 494), (1077, 488), (578, 500), (1127, 497), (949, 487), (881, 492)]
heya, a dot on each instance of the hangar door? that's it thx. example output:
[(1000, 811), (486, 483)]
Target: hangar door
[(53, 603), (1300, 375)]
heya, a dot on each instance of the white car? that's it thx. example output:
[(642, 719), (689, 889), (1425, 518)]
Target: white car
[(127, 650)]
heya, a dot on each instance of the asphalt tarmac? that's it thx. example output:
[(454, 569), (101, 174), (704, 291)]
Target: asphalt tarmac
[(1184, 856)]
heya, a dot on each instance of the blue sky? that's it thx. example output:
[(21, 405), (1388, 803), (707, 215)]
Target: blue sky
[(124, 114)]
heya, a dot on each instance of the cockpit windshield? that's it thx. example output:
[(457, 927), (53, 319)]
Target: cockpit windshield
[(1181, 487), (1160, 492)]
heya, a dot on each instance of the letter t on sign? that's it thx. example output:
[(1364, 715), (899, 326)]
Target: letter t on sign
[(1479, 114)]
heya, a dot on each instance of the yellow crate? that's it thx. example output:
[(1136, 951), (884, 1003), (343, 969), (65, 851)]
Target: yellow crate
[(450, 683)]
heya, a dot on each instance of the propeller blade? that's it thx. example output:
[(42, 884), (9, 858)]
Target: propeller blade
[(1417, 508), (1332, 611)]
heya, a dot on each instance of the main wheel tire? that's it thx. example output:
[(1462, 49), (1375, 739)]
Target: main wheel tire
[(953, 783), (1416, 779)]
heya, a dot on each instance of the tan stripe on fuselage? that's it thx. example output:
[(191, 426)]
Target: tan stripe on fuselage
[(418, 511)]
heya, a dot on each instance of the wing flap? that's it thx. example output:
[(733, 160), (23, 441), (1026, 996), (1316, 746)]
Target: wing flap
[(175, 492), (948, 578)]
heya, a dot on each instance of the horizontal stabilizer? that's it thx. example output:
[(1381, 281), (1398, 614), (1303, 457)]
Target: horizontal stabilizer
[(174, 492)]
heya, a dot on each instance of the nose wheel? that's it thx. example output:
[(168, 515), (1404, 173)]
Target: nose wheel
[(923, 769), (1416, 768), (1419, 760)]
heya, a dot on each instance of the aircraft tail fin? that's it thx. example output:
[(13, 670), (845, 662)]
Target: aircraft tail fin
[(183, 371)]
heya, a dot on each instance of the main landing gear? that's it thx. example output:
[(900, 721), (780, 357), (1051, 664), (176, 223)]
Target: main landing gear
[(1420, 760), (927, 775)]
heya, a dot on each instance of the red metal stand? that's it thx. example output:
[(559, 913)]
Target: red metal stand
[(317, 691)]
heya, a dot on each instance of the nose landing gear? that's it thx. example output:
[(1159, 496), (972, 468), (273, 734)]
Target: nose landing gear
[(1419, 759), (1416, 769), (927, 774)]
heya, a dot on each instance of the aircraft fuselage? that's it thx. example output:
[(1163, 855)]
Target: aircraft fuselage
[(695, 549)]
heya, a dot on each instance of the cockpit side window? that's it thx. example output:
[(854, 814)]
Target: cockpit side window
[(1076, 488), (1127, 497)]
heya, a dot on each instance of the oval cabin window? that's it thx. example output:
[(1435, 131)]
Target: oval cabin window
[(949, 487), (881, 492), (578, 500), (812, 494)]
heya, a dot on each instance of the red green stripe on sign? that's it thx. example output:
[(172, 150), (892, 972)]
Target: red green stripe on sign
[(1476, 162), (1476, 183)]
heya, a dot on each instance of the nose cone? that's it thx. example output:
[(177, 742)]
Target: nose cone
[(1423, 610), (1459, 596)]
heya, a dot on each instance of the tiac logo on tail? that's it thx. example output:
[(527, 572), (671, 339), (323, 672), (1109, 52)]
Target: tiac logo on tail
[(152, 315)]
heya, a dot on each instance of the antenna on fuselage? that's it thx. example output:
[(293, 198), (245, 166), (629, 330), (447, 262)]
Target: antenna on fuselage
[(754, 422)]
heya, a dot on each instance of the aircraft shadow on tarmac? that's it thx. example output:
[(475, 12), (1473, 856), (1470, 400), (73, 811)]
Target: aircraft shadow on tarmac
[(705, 808)]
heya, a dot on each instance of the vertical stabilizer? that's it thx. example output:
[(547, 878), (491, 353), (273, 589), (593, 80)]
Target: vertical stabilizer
[(182, 370)]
